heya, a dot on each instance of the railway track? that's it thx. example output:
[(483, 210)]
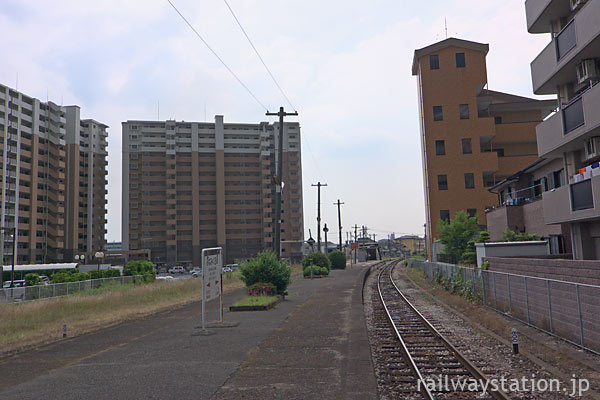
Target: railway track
[(416, 360)]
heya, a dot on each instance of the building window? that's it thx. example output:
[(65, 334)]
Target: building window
[(469, 181), (434, 62), (557, 179), (438, 114), (440, 148), (442, 182), (466, 146), (464, 111), (497, 120), (472, 212), (445, 215), (460, 60)]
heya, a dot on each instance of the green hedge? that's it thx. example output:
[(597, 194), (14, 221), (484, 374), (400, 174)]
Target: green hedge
[(337, 259), (316, 271), (318, 259)]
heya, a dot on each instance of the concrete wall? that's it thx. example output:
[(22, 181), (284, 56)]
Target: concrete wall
[(578, 271), (511, 249)]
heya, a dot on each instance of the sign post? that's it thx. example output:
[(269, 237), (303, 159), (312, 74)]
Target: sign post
[(212, 269)]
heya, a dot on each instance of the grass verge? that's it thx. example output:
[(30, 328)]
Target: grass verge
[(256, 301), (33, 323)]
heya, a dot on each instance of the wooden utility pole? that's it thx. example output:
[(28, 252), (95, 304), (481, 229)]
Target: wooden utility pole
[(279, 181), (318, 185), (339, 221)]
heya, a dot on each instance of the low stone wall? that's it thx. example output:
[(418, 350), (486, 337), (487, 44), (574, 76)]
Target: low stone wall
[(577, 271)]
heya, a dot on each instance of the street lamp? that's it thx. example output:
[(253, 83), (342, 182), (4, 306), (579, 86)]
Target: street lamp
[(79, 258), (99, 255)]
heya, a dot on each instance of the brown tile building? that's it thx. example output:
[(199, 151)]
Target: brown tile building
[(471, 137), (37, 191), (193, 185)]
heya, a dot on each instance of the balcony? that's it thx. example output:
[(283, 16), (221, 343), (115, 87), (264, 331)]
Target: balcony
[(568, 129), (579, 40), (573, 202)]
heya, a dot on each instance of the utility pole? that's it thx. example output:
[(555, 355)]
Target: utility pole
[(318, 185), (279, 180), (326, 229), (339, 221), (355, 232)]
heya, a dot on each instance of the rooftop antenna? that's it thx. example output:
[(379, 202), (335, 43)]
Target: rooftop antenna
[(446, 27)]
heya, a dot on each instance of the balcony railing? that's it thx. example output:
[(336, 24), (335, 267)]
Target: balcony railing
[(582, 196), (566, 40), (573, 116)]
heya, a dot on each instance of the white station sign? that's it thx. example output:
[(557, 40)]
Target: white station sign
[(212, 267)]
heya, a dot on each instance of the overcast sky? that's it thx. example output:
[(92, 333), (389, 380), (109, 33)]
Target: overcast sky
[(344, 64)]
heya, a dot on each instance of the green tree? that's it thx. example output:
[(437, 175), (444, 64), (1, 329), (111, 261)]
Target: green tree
[(318, 259), (32, 279), (140, 267), (455, 235), (337, 259), (265, 267), (484, 236)]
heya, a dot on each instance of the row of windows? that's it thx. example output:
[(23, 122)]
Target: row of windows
[(469, 181), (438, 112), (434, 61), (440, 147), (445, 214)]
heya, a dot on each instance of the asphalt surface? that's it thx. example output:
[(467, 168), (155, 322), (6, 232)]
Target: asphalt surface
[(312, 345)]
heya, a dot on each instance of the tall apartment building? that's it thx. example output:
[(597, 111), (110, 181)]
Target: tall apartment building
[(38, 193), (471, 137), (194, 185), (569, 67)]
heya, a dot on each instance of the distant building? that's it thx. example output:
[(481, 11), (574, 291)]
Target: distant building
[(113, 246), (412, 243), (471, 137), (194, 185), (53, 180)]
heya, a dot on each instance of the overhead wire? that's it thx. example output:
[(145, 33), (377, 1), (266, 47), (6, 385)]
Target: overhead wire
[(217, 56), (259, 56)]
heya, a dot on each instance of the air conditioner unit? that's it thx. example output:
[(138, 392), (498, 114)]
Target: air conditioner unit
[(586, 70), (576, 4), (592, 147)]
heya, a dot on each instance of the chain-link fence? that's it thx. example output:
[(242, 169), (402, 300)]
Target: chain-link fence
[(28, 293), (565, 309)]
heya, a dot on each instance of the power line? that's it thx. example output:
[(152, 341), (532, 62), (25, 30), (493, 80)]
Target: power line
[(259, 56), (216, 55)]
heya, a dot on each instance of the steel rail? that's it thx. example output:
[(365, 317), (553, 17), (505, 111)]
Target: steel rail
[(411, 362), (477, 374)]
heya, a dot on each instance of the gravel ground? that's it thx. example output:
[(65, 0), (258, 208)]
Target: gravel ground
[(494, 357), (491, 355)]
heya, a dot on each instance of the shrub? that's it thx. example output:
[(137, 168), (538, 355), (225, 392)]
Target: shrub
[(140, 267), (316, 271), (337, 259), (262, 289), (32, 279), (318, 259), (265, 267)]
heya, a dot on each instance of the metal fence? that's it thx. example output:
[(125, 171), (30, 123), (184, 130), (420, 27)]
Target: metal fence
[(567, 310), (28, 293)]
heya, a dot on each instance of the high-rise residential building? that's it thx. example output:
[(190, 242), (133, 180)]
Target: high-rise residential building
[(569, 67), (194, 185), (471, 137), (39, 188)]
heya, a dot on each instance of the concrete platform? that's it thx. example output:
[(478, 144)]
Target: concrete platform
[(312, 345)]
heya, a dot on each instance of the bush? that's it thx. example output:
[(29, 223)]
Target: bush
[(70, 276), (265, 267), (32, 279), (262, 289), (337, 259), (316, 271), (140, 267), (318, 259)]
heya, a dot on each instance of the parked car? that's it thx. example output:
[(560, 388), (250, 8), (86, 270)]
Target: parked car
[(45, 279), (167, 278), (17, 283), (196, 272), (177, 270), (227, 269), (233, 267)]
